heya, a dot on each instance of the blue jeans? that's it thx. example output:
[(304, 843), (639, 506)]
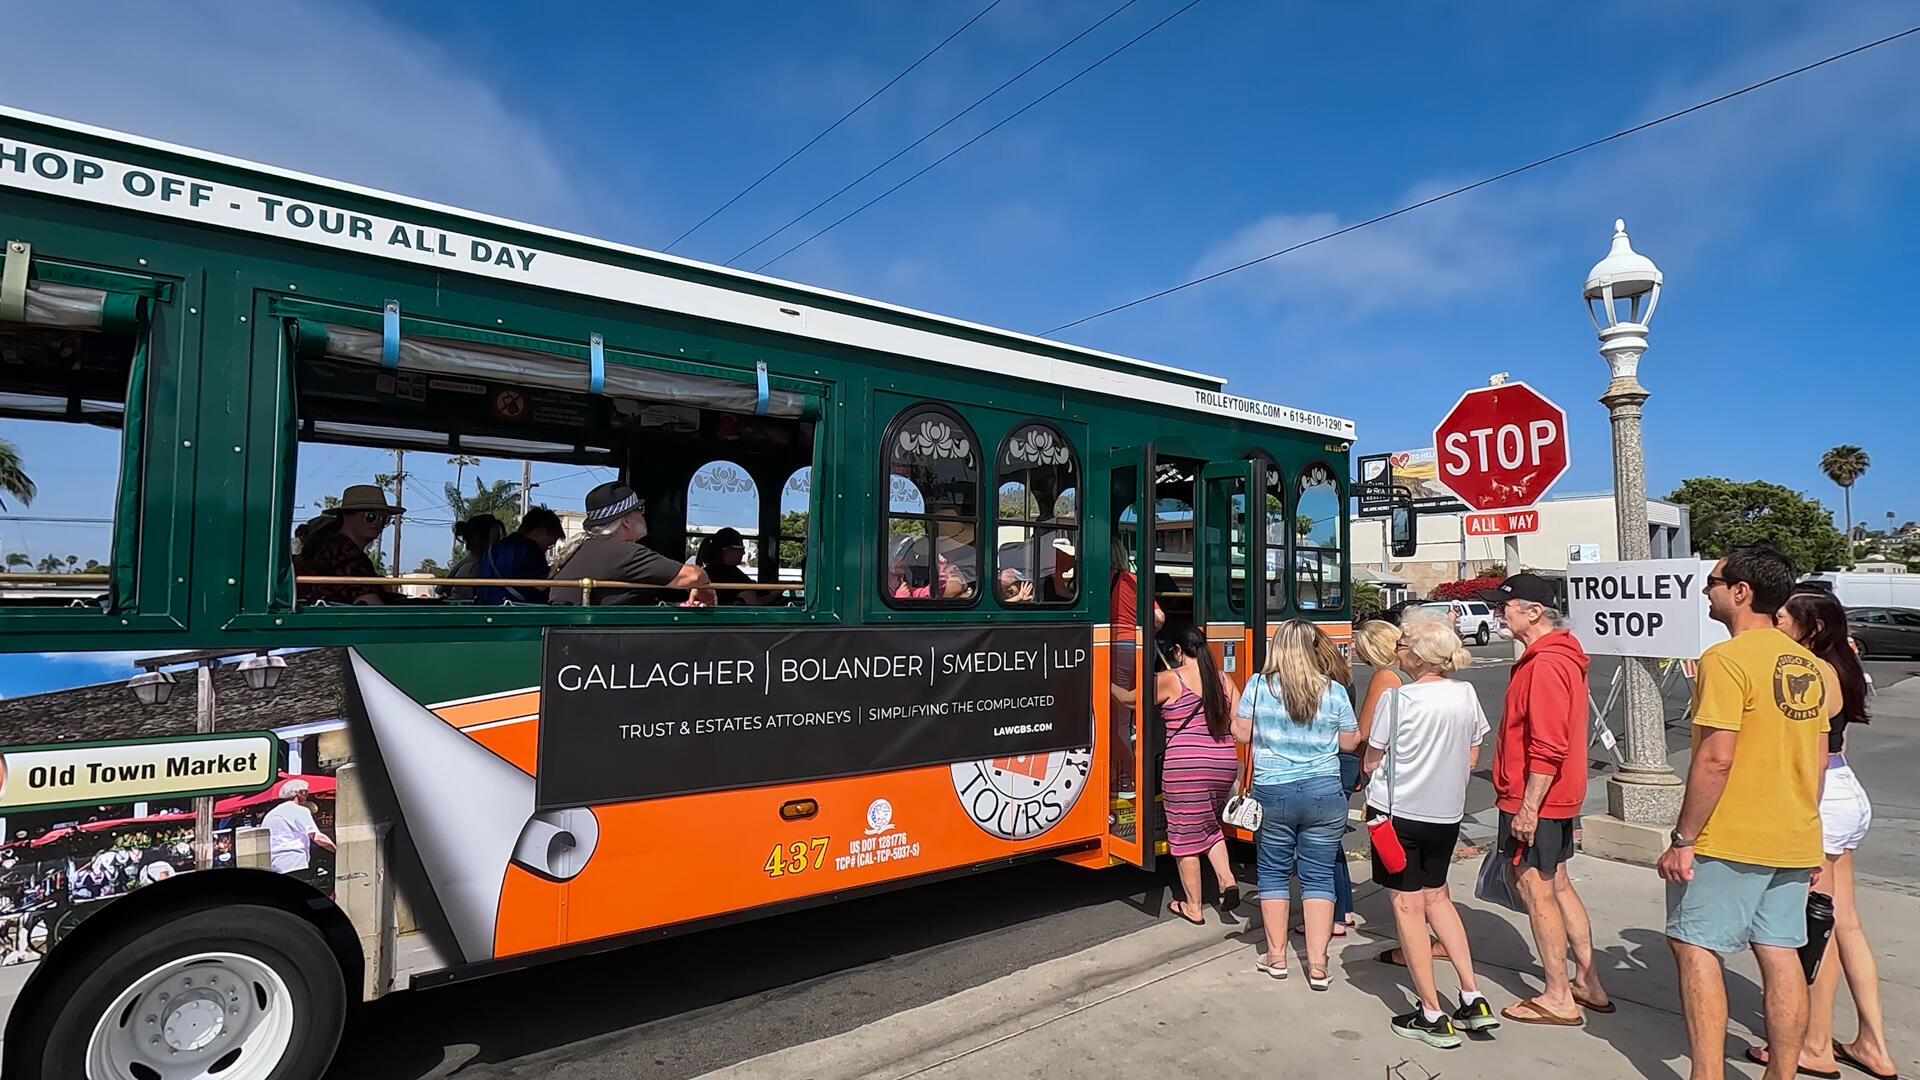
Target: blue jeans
[(1342, 880), (1300, 828)]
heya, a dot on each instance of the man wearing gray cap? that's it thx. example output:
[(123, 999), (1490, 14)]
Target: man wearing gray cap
[(610, 550)]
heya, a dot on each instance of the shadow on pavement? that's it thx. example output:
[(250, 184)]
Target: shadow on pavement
[(791, 979)]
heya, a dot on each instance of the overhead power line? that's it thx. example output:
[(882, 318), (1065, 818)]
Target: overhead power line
[(937, 162), (948, 122), (830, 127), (1497, 177)]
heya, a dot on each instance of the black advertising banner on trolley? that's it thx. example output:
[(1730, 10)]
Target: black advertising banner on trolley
[(638, 714)]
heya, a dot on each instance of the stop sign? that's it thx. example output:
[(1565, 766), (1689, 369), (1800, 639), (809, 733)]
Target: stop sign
[(1501, 447)]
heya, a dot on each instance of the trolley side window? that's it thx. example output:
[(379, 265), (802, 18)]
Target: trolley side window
[(931, 531), (408, 446), (1317, 518), (73, 382), (1037, 534)]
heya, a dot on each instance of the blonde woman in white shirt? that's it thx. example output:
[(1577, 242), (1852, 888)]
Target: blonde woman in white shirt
[(1423, 747)]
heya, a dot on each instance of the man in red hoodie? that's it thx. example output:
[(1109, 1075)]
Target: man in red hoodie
[(1540, 781)]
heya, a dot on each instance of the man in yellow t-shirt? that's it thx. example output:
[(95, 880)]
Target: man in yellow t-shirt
[(1748, 840)]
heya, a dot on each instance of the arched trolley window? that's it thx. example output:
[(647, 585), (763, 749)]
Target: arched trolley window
[(1318, 514), (931, 536), (1037, 518)]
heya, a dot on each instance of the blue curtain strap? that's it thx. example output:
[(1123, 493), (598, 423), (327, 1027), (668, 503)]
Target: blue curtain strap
[(760, 402), (390, 335), (596, 364)]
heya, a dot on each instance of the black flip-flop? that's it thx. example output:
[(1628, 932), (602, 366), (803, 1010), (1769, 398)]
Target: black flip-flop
[(1197, 922), (1840, 1055), (1581, 1000), (1229, 898), (1758, 1056)]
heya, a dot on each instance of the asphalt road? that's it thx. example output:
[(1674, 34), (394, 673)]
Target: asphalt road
[(682, 1007)]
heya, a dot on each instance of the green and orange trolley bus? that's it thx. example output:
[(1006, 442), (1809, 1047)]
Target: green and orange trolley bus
[(934, 679)]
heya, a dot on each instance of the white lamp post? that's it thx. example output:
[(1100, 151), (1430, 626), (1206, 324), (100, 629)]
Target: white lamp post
[(1621, 293)]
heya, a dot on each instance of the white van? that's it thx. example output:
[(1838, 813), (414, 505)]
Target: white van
[(1473, 620), (1871, 590)]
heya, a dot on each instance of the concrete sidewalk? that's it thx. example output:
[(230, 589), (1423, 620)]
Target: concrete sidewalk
[(1181, 1000)]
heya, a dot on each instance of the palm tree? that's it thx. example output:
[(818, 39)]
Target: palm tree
[(18, 558), (49, 564), (14, 480), (1843, 465), (460, 463)]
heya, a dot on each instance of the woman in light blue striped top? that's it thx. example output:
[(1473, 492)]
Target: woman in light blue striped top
[(1298, 718)]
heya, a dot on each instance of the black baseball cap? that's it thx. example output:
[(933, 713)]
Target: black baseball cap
[(1532, 588)]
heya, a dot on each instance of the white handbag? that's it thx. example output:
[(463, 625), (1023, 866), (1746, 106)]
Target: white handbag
[(1242, 812)]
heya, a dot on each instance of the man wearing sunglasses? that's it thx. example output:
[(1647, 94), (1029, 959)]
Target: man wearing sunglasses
[(336, 546), (1748, 841)]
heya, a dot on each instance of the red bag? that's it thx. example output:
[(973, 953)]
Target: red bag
[(1386, 843)]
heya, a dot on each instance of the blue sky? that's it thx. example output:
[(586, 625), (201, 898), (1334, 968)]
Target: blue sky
[(1783, 220)]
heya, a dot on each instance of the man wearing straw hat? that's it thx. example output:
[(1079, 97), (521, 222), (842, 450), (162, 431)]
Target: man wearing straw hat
[(609, 549), (336, 546)]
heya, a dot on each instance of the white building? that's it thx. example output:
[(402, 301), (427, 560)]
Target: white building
[(1574, 528), (1878, 564)]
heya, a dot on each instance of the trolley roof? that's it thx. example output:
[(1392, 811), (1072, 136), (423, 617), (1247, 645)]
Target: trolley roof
[(497, 248)]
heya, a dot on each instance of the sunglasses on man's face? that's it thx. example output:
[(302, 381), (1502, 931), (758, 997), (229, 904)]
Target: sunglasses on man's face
[(375, 518), (1715, 579)]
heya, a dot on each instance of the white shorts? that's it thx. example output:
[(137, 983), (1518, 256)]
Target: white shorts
[(1845, 813)]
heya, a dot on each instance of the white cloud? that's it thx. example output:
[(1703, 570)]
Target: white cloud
[(1817, 145), (334, 90), (122, 661)]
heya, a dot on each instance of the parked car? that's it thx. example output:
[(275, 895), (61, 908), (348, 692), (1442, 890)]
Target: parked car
[(1472, 619), (1885, 631)]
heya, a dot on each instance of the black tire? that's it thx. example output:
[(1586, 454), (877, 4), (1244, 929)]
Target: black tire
[(1483, 636), (53, 1035), (1860, 649)]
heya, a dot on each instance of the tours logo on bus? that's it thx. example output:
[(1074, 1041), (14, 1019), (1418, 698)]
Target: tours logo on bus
[(1020, 797), (1213, 399)]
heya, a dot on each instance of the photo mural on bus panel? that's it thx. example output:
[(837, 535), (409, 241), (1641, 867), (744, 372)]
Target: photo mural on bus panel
[(98, 784), (636, 714)]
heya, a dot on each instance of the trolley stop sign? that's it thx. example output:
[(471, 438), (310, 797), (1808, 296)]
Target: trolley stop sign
[(1501, 447), (1655, 608)]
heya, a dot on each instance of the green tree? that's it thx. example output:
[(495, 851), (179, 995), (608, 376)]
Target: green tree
[(428, 566), (1843, 465), (1367, 599), (18, 558), (1729, 513), (793, 552), (93, 567), (14, 480), (1303, 525), (49, 564)]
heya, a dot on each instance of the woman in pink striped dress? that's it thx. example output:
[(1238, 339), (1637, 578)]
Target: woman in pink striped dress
[(1201, 764)]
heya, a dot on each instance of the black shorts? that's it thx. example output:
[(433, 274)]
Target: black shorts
[(1552, 843), (1429, 850)]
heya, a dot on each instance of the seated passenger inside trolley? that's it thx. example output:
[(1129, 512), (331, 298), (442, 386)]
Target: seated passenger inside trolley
[(521, 556), (335, 545), (720, 555), (950, 577), (609, 549)]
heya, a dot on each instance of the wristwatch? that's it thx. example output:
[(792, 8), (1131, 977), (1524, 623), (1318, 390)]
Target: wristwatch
[(1678, 840)]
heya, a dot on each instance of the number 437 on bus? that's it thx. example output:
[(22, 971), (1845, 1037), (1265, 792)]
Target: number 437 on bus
[(794, 858)]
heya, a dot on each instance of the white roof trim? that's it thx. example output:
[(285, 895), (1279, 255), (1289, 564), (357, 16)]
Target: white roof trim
[(626, 285)]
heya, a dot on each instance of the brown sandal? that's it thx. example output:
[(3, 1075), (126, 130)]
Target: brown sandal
[(1532, 1012), (1397, 958)]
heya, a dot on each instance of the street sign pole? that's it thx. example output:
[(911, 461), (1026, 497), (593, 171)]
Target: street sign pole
[(1500, 448)]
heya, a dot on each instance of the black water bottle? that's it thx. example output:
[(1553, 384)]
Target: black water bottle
[(1819, 931)]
